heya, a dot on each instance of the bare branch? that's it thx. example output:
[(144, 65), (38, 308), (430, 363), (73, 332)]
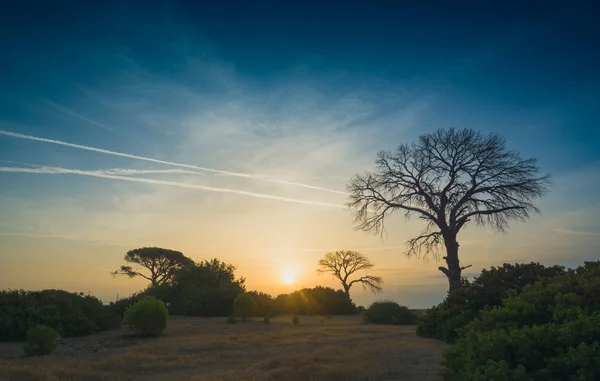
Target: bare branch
[(343, 264)]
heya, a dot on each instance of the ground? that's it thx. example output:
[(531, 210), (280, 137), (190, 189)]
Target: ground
[(340, 348)]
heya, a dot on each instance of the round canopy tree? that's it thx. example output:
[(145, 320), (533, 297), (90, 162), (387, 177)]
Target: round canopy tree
[(161, 264), (449, 179)]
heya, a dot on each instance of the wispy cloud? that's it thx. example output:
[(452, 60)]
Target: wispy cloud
[(58, 170), (577, 232), (136, 157)]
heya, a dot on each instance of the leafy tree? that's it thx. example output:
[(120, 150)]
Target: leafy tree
[(550, 331), (344, 264), (161, 263), (244, 306), (315, 301), (449, 179)]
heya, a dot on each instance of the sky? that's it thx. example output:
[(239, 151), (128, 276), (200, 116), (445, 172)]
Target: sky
[(230, 130)]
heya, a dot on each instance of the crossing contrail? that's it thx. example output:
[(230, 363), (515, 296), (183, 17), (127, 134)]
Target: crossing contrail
[(59, 170), (136, 157)]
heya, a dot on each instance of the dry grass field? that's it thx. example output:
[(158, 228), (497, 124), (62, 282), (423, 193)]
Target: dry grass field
[(209, 349)]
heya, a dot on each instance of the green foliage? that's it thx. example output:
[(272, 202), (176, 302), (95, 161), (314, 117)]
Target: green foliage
[(41, 340), (386, 312), (70, 314), (231, 319), (265, 304), (550, 331), (315, 301), (161, 264), (244, 306), (295, 320), (266, 320), (148, 316), (486, 291)]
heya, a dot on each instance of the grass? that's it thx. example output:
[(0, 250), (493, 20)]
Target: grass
[(210, 349)]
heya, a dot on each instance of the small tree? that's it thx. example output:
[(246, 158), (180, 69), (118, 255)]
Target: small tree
[(449, 179), (345, 263), (244, 306), (162, 264)]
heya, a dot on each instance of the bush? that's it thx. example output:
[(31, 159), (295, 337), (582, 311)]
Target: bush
[(486, 291), (266, 320), (295, 320), (244, 306), (41, 340), (389, 313), (551, 331), (148, 316), (315, 301), (70, 314), (231, 319)]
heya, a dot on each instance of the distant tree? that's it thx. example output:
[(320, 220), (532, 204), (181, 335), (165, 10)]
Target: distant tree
[(162, 264), (449, 178), (343, 264)]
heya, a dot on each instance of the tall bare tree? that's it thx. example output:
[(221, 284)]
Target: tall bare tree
[(344, 263), (449, 179), (162, 264)]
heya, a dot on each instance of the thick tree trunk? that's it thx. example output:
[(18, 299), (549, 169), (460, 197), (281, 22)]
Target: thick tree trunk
[(347, 292), (453, 271)]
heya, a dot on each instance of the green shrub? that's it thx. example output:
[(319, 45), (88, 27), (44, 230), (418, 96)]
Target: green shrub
[(295, 320), (148, 316), (41, 340), (550, 331), (70, 314), (266, 320), (231, 319), (244, 306), (486, 291), (389, 313)]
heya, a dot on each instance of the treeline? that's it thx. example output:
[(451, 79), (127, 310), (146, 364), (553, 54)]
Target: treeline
[(521, 322)]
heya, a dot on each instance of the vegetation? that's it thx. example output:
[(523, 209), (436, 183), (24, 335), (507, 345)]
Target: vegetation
[(244, 306), (148, 316), (550, 331), (231, 319), (295, 320), (41, 340), (315, 301), (162, 264), (449, 179), (343, 264), (70, 314), (387, 312), (486, 291)]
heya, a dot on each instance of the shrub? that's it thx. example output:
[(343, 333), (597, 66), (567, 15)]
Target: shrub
[(41, 340), (70, 314), (231, 319), (244, 306), (550, 331), (266, 320), (295, 320), (148, 316), (486, 291), (389, 313), (315, 301)]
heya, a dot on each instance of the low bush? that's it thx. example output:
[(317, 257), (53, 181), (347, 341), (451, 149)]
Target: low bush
[(386, 312), (70, 314), (41, 340), (148, 316), (231, 319), (244, 306), (266, 320), (550, 331), (486, 291), (295, 320)]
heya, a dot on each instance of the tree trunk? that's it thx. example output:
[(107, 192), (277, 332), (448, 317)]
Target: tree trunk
[(453, 271), (347, 291)]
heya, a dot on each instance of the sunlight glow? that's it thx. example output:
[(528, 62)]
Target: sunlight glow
[(289, 276)]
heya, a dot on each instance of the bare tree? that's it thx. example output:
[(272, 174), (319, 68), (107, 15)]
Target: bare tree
[(343, 264), (449, 179), (161, 263)]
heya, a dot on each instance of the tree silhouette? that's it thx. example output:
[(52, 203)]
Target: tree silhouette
[(448, 179), (162, 264), (343, 264)]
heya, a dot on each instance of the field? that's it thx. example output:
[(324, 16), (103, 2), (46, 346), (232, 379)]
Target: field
[(209, 349)]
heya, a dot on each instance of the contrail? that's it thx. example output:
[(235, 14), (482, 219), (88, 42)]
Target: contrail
[(107, 152), (118, 171), (58, 170)]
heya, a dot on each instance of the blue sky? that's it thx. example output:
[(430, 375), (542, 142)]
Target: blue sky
[(295, 92)]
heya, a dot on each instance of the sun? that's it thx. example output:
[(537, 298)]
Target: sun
[(289, 276)]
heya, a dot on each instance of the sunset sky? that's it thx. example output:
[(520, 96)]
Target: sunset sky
[(256, 116)]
